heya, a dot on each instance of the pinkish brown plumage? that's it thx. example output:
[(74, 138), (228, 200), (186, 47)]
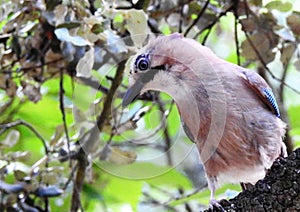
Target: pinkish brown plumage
[(228, 111)]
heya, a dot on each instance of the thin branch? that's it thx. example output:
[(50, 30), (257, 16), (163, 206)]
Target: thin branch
[(109, 98), (93, 84), (79, 179), (153, 201), (207, 34), (196, 191), (41, 65), (236, 39), (21, 122), (62, 107), (181, 16), (209, 26), (197, 19), (167, 137), (70, 178), (283, 77)]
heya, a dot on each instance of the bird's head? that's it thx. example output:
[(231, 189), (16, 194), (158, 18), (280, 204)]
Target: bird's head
[(189, 73), (165, 64)]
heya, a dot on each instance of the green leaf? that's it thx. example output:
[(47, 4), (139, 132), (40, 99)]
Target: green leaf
[(85, 64), (118, 18), (166, 30), (137, 25), (279, 5), (64, 35)]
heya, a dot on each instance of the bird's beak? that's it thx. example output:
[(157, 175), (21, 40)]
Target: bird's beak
[(132, 93), (137, 87)]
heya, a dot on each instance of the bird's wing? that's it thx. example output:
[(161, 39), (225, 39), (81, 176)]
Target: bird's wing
[(261, 88)]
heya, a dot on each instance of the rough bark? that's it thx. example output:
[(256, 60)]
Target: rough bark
[(278, 191)]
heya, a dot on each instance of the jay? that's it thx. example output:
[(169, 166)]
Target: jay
[(229, 112)]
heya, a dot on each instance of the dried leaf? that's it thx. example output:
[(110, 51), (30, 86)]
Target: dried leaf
[(27, 208), (137, 26), (60, 13), (19, 174), (16, 47), (79, 116), (25, 29), (51, 56), (257, 3), (248, 24), (85, 64), (50, 178), (68, 51), (262, 44), (69, 25), (11, 188), (286, 53), (64, 35), (32, 92), (21, 156), (59, 130), (115, 44), (50, 5), (128, 125), (297, 64), (285, 34), (294, 23), (121, 157), (50, 191), (3, 164), (11, 139)]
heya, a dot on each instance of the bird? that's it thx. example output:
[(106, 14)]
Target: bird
[(228, 111)]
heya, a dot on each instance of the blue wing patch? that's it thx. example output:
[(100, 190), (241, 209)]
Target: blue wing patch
[(272, 101)]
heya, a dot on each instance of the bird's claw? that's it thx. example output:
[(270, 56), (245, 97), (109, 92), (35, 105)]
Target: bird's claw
[(214, 204)]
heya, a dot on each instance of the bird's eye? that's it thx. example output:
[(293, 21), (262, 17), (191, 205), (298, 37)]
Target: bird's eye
[(142, 63)]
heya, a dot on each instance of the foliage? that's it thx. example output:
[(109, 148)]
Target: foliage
[(66, 141)]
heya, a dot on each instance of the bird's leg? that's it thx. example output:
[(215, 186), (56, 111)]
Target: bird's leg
[(245, 186), (213, 202)]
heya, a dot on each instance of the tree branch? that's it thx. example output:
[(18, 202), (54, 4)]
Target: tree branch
[(62, 107), (89, 140)]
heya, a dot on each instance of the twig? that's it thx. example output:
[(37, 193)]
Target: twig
[(62, 107), (70, 178), (209, 26), (207, 34), (167, 138), (107, 104), (41, 65), (196, 191), (236, 39), (283, 77), (155, 202), (197, 19), (93, 84), (21, 122), (181, 16)]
